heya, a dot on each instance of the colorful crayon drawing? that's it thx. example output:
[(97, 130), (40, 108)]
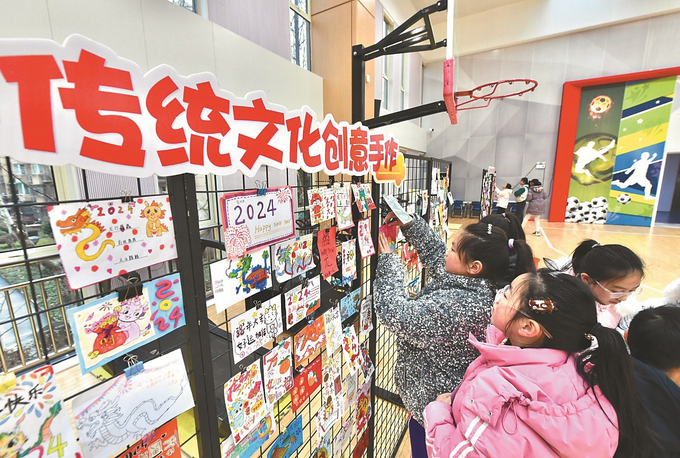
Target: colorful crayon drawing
[(350, 349), (343, 206), (309, 341), (349, 261), (350, 393), (101, 240), (366, 364), (293, 257), (329, 412), (316, 205), (366, 316), (325, 447), (350, 304), (391, 234), (245, 402), (236, 279), (410, 258), (342, 438), (278, 371), (413, 287), (333, 329), (365, 241), (362, 197), (252, 443), (327, 252), (288, 441), (300, 302), (306, 383), (34, 421), (255, 327), (161, 443), (123, 410), (364, 405)]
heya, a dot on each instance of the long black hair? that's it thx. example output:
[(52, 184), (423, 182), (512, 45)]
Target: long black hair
[(605, 262), (654, 337), (488, 244), (608, 365)]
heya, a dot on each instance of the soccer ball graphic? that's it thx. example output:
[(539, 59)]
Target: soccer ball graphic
[(572, 204), (599, 202), (623, 199)]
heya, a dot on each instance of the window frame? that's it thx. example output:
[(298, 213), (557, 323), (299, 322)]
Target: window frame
[(294, 9)]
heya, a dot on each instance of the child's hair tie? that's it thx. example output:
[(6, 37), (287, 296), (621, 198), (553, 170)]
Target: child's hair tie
[(542, 305), (596, 244), (511, 243), (596, 327), (489, 229)]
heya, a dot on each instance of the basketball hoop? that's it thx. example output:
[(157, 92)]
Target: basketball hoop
[(481, 96)]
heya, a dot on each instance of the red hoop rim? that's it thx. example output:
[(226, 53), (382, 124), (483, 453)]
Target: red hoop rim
[(489, 93)]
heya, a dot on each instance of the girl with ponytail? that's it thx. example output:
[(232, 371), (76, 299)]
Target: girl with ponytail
[(539, 388)]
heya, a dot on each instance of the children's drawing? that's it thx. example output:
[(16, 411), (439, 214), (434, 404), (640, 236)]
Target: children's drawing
[(361, 446), (366, 316), (333, 328), (328, 252), (364, 405), (350, 349), (391, 234), (245, 401), (252, 443), (293, 257), (349, 262), (365, 241), (236, 279), (278, 371), (306, 383), (410, 258), (309, 340), (425, 198), (288, 441), (398, 210), (331, 387), (325, 447), (161, 443), (343, 206), (366, 364), (123, 410), (350, 304), (34, 421), (101, 240), (350, 392), (301, 302), (413, 287), (255, 327), (321, 204), (362, 197), (342, 438)]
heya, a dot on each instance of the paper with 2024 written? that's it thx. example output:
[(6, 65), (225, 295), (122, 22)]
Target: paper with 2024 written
[(300, 302), (132, 406)]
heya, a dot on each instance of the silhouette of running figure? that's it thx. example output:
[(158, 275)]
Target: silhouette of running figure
[(587, 154), (639, 176)]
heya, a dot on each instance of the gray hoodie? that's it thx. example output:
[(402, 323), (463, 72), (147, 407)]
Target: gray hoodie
[(432, 329)]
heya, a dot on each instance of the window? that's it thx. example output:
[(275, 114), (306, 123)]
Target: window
[(37, 169), (386, 67), (187, 4), (300, 34)]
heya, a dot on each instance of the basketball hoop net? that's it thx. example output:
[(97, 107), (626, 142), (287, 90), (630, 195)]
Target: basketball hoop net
[(481, 96)]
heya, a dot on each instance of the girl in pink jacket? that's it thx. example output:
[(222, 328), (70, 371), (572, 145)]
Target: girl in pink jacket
[(542, 391)]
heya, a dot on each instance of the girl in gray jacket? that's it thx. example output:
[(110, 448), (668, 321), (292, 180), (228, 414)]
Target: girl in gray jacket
[(536, 205)]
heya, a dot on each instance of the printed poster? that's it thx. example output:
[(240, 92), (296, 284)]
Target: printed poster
[(331, 389), (133, 406), (252, 443), (398, 210), (278, 371), (161, 443), (350, 349), (105, 328), (245, 402), (343, 206), (101, 240), (365, 240), (255, 327), (233, 280), (293, 257), (321, 204), (349, 262), (309, 341), (350, 304), (333, 328), (288, 441), (364, 405), (34, 420), (328, 252), (366, 316), (306, 383), (302, 300)]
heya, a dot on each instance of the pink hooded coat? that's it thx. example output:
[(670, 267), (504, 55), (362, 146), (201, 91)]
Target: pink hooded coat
[(521, 402)]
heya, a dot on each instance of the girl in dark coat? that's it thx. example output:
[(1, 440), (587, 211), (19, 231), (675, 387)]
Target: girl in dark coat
[(535, 205)]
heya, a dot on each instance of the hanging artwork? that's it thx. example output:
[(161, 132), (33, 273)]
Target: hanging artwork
[(349, 262), (362, 197), (250, 445), (398, 210), (321, 204), (343, 438), (34, 420), (255, 327), (365, 240), (309, 341), (350, 349), (331, 387), (245, 401), (328, 252), (343, 206), (253, 219), (293, 257), (361, 446), (391, 234), (366, 364), (302, 301), (163, 442), (101, 240), (364, 405), (333, 328), (132, 406), (424, 198), (106, 328), (409, 258), (366, 316), (325, 447), (412, 287), (278, 371), (233, 280), (306, 383), (350, 392), (350, 304), (288, 441)]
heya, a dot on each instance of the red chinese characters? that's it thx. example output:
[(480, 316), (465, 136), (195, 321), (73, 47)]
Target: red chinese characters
[(259, 146)]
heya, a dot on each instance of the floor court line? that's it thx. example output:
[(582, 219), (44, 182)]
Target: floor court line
[(623, 232)]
